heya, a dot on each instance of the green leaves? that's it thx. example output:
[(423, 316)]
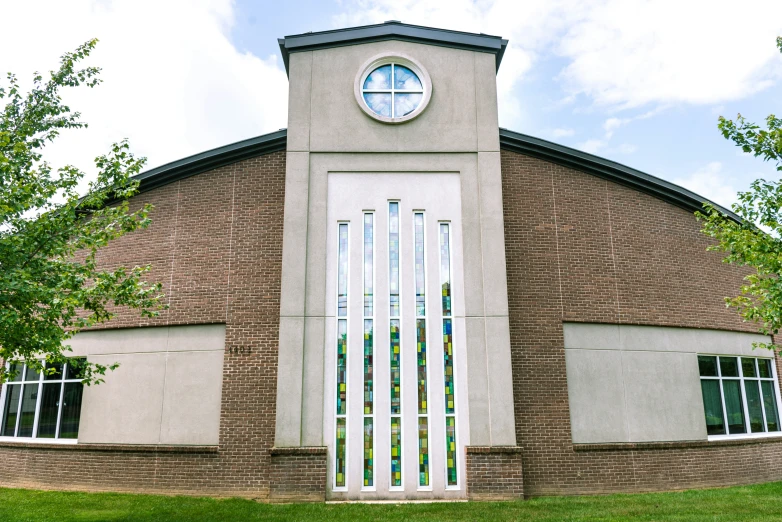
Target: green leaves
[(50, 283), (755, 242)]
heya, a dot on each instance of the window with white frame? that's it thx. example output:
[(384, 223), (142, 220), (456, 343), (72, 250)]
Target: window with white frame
[(42, 405), (739, 395)]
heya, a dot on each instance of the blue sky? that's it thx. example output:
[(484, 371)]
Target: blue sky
[(636, 81)]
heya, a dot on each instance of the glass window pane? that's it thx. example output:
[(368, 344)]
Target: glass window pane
[(729, 366), (712, 403), (369, 451), (50, 404), (445, 267), (765, 368), (733, 406), (748, 367), (406, 103), (754, 409), (405, 79), (10, 409), (707, 364), (396, 368), (379, 102), (342, 271), (340, 474), (369, 265), (27, 414), (420, 333), (450, 450), (71, 410), (420, 269), (19, 369), (368, 366), (770, 403), (57, 375), (393, 258), (75, 369), (423, 451), (380, 78), (31, 374), (342, 365), (396, 451)]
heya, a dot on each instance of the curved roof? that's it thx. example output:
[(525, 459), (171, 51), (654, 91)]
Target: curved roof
[(509, 140)]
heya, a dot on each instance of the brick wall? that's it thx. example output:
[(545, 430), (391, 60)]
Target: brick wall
[(494, 472), (216, 245), (580, 248), (298, 474)]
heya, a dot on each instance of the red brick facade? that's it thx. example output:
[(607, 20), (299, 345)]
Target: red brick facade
[(578, 248), (583, 249)]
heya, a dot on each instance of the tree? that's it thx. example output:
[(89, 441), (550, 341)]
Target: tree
[(50, 284), (756, 240)]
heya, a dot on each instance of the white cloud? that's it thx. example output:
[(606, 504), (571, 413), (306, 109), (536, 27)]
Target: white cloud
[(562, 133), (592, 146), (711, 182), (611, 124), (173, 83)]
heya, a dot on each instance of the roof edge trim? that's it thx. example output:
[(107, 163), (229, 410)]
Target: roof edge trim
[(607, 169)]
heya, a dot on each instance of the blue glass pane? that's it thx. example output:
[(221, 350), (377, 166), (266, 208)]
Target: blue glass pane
[(405, 79), (379, 102), (406, 103), (380, 78)]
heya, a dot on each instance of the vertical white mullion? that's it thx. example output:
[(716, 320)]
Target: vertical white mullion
[(722, 399), (21, 400), (37, 413), (59, 404), (743, 391)]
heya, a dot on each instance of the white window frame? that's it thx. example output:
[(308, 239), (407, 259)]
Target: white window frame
[(41, 381), (741, 379), (393, 60)]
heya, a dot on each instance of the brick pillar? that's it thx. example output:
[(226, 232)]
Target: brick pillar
[(494, 473), (298, 474)]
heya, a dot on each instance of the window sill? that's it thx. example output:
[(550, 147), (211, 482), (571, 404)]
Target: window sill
[(720, 441), (34, 444), (746, 436)]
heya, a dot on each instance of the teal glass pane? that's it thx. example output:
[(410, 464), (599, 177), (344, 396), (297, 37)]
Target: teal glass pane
[(748, 367), (11, 409), (764, 365), (405, 79), (341, 453), (369, 450), (393, 258), (406, 103), (733, 406), (50, 405), (770, 403), (369, 264), (368, 367), (707, 364), (379, 103), (754, 409), (729, 366), (423, 451), (420, 334), (380, 78), (396, 451), (342, 365), (450, 451), (445, 268), (27, 413), (420, 272), (712, 403), (342, 271), (396, 368), (450, 402)]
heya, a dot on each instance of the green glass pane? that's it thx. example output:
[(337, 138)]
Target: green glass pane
[(450, 450), (770, 403), (450, 402), (765, 368), (729, 366), (50, 404), (423, 451), (754, 409), (396, 368), (733, 406), (396, 451), (339, 473), (712, 403), (342, 365), (368, 367), (369, 451), (10, 409), (748, 367), (707, 364), (421, 351)]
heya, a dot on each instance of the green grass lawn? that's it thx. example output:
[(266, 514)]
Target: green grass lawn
[(763, 502)]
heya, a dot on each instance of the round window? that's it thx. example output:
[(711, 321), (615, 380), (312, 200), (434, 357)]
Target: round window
[(393, 89)]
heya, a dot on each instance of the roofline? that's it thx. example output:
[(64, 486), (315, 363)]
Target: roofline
[(509, 140), (607, 169), (392, 30)]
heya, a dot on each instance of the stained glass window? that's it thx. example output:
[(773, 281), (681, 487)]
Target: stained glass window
[(393, 258), (342, 363), (420, 272), (369, 347), (420, 334), (342, 276), (396, 451), (392, 91), (369, 267), (448, 358), (420, 337), (395, 347), (368, 367), (340, 478), (423, 451), (368, 452), (396, 369), (450, 450)]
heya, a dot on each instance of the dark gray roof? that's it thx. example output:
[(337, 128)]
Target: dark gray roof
[(392, 30), (509, 140)]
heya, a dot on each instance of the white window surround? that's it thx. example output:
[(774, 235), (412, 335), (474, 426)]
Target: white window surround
[(741, 379), (41, 381), (397, 59)]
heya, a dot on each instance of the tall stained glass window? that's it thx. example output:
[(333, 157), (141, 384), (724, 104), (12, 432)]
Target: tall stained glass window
[(369, 347), (394, 309), (342, 357), (448, 381), (420, 313)]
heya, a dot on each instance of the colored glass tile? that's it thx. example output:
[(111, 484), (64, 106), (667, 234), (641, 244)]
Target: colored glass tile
[(405, 79), (369, 467), (393, 258), (342, 271), (423, 451), (450, 450), (420, 333), (339, 474), (445, 268), (342, 362), (420, 272), (396, 451), (396, 369), (368, 366), (369, 264), (450, 403)]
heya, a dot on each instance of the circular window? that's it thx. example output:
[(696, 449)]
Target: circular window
[(393, 89)]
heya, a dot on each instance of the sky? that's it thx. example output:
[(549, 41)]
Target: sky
[(641, 82)]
